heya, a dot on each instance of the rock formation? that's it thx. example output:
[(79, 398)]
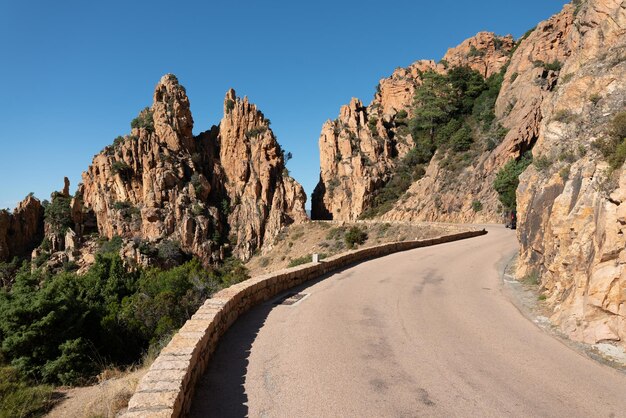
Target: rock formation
[(360, 150), (485, 53), (572, 210), (262, 197), (563, 86), (163, 183), (437, 196), (21, 230)]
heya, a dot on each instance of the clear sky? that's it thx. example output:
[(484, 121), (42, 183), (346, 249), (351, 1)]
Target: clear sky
[(75, 72)]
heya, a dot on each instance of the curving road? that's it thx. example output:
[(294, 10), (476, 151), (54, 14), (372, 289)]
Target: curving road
[(421, 333)]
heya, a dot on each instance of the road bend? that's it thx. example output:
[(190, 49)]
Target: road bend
[(426, 332)]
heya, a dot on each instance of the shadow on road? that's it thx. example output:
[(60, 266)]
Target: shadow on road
[(221, 392)]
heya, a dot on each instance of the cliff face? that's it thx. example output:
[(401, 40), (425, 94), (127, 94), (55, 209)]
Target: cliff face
[(262, 197), (572, 211), (162, 183), (360, 150), (21, 230), (438, 196)]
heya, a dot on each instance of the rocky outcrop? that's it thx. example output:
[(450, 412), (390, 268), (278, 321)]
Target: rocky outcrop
[(21, 230), (486, 53), (571, 208), (163, 183), (360, 150), (262, 197), (442, 196)]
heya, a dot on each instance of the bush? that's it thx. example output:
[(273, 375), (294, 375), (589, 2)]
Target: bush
[(120, 167), (564, 116), (477, 206), (542, 162), (473, 52), (112, 246), (64, 328), (230, 105), (595, 98), (402, 114), (126, 209), (550, 66), (254, 132), (507, 180), (355, 236), (613, 148), (144, 120), (118, 141), (300, 260), (20, 398), (335, 233), (57, 213)]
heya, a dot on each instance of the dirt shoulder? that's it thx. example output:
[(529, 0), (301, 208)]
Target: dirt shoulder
[(104, 399), (295, 244)]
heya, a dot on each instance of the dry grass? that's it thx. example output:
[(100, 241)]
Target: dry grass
[(103, 400), (327, 238)]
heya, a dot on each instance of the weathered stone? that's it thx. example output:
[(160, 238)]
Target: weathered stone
[(571, 228), (21, 230)]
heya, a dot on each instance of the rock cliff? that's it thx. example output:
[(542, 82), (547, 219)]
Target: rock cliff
[(21, 230), (572, 206), (360, 150), (529, 80), (162, 183), (262, 198)]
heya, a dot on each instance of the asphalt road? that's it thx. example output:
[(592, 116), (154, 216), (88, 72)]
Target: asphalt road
[(426, 332)]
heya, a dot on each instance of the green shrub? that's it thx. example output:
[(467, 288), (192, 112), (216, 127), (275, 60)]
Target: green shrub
[(618, 126), (542, 162), (112, 246), (507, 180), (169, 250), (532, 278), (118, 141), (254, 132), (564, 116), (613, 147), (300, 260), (64, 328), (402, 114), (230, 105), (477, 206), (144, 120), (595, 98), (57, 213), (126, 209), (120, 167), (21, 398), (550, 66), (564, 172), (335, 233), (514, 77), (355, 236), (473, 52)]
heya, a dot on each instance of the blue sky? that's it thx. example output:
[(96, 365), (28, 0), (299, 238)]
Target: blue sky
[(74, 73)]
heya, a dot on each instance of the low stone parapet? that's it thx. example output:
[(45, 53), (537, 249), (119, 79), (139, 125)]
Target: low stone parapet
[(167, 388)]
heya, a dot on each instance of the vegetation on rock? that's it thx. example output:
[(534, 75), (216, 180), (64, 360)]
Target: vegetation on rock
[(507, 180)]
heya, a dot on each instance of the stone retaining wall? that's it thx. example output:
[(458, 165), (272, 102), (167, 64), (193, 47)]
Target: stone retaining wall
[(167, 388)]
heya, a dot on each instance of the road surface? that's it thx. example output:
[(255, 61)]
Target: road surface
[(426, 332)]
